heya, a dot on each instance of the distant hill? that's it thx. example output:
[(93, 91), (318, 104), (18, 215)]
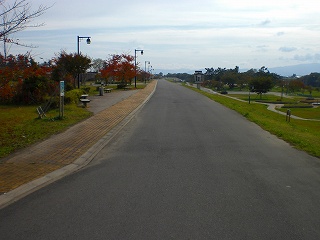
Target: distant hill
[(299, 70)]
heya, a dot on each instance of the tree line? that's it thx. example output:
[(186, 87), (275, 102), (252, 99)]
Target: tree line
[(24, 81), (259, 81)]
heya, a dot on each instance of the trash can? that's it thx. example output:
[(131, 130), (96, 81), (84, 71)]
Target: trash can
[(100, 91)]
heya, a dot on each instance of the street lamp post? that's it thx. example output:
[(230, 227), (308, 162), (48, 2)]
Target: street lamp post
[(78, 42), (150, 71), (145, 70), (135, 65), (78, 48), (282, 90)]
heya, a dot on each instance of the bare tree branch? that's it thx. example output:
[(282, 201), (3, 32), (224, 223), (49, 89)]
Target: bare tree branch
[(16, 42), (17, 17)]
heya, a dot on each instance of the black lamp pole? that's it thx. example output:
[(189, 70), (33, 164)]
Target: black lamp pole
[(135, 65), (145, 70), (78, 48)]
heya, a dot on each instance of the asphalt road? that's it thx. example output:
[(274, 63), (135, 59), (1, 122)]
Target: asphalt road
[(184, 168)]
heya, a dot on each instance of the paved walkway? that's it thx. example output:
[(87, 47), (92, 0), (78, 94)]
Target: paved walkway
[(68, 151)]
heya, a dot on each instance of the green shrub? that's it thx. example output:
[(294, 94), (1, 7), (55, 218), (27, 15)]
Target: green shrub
[(73, 96), (86, 89)]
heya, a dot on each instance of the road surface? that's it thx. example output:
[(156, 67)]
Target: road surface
[(184, 168)]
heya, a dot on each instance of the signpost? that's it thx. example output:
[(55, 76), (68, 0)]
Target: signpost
[(61, 112), (198, 78)]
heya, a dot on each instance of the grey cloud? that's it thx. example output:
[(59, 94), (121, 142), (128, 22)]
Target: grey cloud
[(287, 49), (307, 57), (265, 22)]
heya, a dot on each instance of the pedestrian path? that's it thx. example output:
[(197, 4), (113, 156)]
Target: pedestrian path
[(70, 147)]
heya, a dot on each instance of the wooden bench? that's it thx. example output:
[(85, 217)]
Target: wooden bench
[(84, 101), (108, 90), (127, 88), (84, 96)]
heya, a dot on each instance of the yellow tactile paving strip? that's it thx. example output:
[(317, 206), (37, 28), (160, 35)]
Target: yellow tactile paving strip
[(63, 149)]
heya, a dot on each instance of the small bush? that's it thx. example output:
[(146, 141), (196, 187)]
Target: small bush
[(73, 96), (86, 89)]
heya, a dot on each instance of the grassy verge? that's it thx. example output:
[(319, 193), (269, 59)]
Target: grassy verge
[(21, 127), (303, 135)]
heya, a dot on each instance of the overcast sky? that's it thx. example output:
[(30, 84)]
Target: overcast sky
[(177, 34)]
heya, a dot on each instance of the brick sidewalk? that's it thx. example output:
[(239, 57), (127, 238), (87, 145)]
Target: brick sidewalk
[(63, 149)]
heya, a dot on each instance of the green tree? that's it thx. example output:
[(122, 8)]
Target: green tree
[(242, 81), (312, 79), (296, 85), (261, 84), (230, 78), (69, 66)]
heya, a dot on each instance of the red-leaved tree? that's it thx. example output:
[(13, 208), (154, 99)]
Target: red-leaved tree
[(22, 81), (119, 68)]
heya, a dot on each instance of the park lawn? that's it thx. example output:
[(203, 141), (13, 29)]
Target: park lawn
[(21, 127), (307, 113), (303, 135), (264, 97)]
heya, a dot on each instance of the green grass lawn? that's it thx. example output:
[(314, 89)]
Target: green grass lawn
[(21, 127), (307, 113), (264, 97), (303, 135)]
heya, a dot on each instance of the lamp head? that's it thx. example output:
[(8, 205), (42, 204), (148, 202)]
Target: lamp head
[(141, 52), (88, 40)]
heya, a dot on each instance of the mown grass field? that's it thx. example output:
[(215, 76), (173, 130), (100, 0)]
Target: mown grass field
[(290, 103), (264, 97), (307, 113), (21, 127), (303, 135)]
